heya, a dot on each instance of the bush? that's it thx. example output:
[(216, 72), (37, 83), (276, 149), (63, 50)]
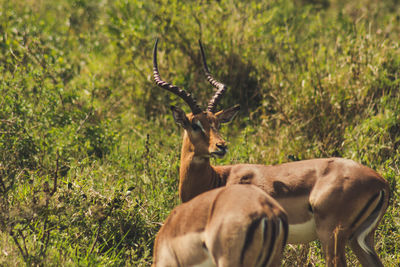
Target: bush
[(89, 157)]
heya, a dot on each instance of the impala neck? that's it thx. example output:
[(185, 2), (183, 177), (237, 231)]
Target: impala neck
[(196, 175)]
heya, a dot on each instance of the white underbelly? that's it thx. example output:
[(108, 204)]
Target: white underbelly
[(302, 232), (206, 263)]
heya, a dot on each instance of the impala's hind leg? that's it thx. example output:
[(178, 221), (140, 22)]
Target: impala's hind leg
[(364, 250), (362, 241)]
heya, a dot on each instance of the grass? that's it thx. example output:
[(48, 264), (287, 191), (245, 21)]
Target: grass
[(79, 112)]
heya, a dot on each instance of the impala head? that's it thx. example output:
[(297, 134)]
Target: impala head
[(201, 126)]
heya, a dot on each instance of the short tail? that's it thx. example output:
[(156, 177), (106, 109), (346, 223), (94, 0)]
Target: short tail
[(274, 240)]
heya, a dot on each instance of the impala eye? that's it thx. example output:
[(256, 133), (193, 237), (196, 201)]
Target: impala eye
[(196, 126)]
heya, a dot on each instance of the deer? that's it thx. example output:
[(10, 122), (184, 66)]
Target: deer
[(334, 200), (233, 226)]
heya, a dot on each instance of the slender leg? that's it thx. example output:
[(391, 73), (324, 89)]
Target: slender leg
[(362, 242), (364, 250), (333, 240), (334, 252)]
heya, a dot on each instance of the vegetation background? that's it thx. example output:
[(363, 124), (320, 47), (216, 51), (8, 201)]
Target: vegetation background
[(89, 153)]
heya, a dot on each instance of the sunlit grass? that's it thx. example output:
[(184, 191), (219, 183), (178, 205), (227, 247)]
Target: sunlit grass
[(78, 108)]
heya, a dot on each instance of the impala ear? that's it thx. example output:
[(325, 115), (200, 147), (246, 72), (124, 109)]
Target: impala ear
[(180, 117), (227, 115)]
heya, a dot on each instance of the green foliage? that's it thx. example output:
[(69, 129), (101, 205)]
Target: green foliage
[(89, 155)]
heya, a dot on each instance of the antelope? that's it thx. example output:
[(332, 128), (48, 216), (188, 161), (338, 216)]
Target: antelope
[(334, 200), (233, 226)]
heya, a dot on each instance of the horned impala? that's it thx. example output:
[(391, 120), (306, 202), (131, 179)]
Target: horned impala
[(220, 228), (335, 200)]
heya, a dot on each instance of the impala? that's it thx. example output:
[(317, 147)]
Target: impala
[(334, 200), (233, 226)]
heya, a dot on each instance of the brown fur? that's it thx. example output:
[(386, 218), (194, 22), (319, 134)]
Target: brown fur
[(226, 225), (334, 200), (333, 191)]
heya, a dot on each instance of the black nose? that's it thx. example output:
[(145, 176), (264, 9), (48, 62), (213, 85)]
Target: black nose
[(221, 150), (222, 147)]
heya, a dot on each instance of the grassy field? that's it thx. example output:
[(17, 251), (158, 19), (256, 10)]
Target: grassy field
[(89, 149)]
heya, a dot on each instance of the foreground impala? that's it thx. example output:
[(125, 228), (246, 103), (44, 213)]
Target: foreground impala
[(233, 226), (335, 200)]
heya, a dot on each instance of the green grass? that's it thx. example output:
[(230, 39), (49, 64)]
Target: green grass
[(79, 110)]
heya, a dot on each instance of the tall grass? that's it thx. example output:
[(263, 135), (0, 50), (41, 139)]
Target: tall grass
[(89, 151)]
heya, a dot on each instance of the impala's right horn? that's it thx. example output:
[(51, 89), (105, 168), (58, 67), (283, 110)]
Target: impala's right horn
[(172, 88), (221, 88)]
